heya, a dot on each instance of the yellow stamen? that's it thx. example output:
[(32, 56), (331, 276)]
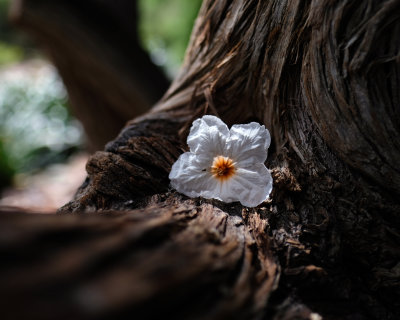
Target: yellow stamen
[(223, 168)]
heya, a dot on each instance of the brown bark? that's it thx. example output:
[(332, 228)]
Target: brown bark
[(144, 263), (324, 78), (94, 45)]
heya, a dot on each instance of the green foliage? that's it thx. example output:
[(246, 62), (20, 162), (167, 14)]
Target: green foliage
[(9, 53), (35, 126), (6, 169), (165, 27)]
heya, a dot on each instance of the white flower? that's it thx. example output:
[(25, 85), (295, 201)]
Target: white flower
[(224, 164)]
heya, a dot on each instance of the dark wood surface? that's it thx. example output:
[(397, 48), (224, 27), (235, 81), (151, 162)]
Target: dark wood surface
[(323, 76)]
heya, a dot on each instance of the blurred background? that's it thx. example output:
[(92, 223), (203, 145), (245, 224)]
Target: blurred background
[(43, 147)]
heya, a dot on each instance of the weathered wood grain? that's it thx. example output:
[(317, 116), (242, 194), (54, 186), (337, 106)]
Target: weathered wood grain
[(323, 76), (176, 256)]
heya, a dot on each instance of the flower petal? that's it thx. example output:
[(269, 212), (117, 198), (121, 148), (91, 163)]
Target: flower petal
[(251, 186), (248, 144), (208, 136), (189, 177)]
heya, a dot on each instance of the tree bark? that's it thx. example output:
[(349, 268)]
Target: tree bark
[(95, 46), (176, 257), (324, 77)]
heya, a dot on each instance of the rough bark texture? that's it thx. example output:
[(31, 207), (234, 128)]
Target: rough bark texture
[(94, 44), (143, 263), (324, 78)]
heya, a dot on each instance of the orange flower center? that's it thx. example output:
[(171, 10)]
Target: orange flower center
[(222, 168)]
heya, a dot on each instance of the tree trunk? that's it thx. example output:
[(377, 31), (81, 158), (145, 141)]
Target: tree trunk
[(324, 77)]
